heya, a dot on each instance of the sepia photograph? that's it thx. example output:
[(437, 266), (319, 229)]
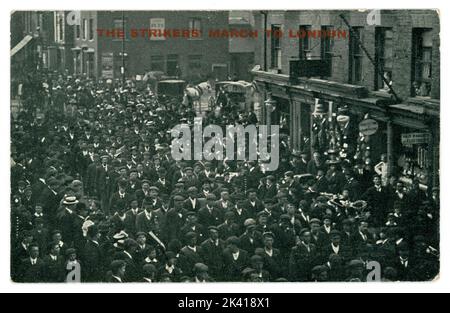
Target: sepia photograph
[(225, 146)]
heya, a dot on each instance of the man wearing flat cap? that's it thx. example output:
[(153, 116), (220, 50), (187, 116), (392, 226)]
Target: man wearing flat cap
[(104, 183), (320, 274), (257, 264), (175, 218), (212, 252), (318, 238), (121, 198), (191, 203), (144, 192), (335, 247), (192, 225), (117, 273), (210, 215), (149, 220), (251, 239), (303, 258), (273, 262), (269, 189), (229, 227), (235, 260), (253, 204), (162, 183), (131, 214), (191, 254), (201, 273)]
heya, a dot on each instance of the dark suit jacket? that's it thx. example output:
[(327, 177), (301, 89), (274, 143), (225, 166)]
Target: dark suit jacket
[(253, 210), (228, 230), (174, 276), (188, 258), (344, 252), (247, 245), (175, 219), (233, 268), (132, 269), (118, 203), (302, 262), (112, 280), (254, 178), (54, 270), (212, 255), (31, 273), (188, 206), (266, 193), (155, 223), (275, 265), (199, 230), (207, 219), (378, 203), (130, 222), (92, 261)]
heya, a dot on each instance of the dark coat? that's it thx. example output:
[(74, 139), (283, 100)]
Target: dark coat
[(233, 268), (188, 258), (31, 273), (54, 270), (302, 262), (212, 255), (92, 262), (207, 218)]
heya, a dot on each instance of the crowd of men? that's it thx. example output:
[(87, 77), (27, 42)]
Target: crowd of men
[(97, 197)]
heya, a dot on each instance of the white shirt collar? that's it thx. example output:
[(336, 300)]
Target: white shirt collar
[(170, 268), (118, 278), (335, 249)]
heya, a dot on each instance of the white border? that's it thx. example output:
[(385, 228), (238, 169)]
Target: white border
[(6, 286)]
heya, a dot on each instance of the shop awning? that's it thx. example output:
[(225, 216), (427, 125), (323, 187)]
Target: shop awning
[(21, 44)]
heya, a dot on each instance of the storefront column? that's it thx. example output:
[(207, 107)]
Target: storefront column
[(434, 157), (390, 147)]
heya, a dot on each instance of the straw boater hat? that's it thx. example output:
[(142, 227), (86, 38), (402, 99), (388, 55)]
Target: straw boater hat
[(70, 201)]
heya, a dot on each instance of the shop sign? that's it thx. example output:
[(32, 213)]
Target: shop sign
[(368, 127), (415, 139), (108, 65)]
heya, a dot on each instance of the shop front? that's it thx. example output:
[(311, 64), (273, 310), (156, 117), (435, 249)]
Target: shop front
[(349, 123)]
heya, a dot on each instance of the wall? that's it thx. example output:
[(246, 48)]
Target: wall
[(140, 50), (402, 23)]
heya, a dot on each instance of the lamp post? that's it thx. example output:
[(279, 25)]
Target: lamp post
[(122, 70)]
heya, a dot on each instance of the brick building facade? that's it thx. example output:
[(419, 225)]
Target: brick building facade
[(191, 58), (404, 48)]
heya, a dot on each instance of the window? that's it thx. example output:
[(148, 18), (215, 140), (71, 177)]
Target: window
[(195, 25), (91, 29), (422, 58), (326, 45), (276, 46), (356, 56), (304, 43), (61, 29), (119, 26), (195, 62), (85, 29), (157, 63), (78, 31), (39, 20), (383, 57), (172, 65)]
